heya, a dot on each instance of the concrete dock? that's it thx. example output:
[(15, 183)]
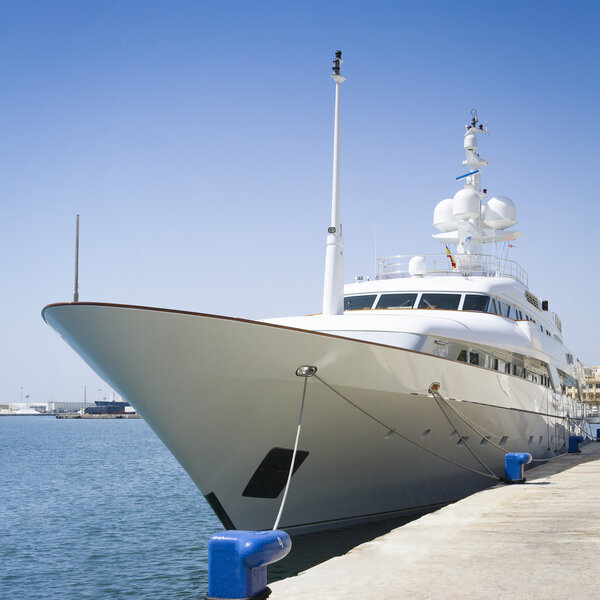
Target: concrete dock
[(540, 540)]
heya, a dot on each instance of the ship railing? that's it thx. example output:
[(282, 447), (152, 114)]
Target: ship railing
[(481, 265)]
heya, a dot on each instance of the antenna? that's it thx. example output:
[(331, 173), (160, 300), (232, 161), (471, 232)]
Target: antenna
[(474, 119), (76, 291), (333, 291)]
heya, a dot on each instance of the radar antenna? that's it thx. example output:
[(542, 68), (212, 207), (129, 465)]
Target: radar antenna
[(474, 119), (337, 62)]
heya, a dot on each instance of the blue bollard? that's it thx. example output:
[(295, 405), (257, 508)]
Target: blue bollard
[(237, 562), (514, 463), (574, 441), (598, 435)]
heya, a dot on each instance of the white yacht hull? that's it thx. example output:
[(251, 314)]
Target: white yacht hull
[(222, 392)]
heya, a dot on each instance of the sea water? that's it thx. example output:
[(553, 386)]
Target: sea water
[(101, 509)]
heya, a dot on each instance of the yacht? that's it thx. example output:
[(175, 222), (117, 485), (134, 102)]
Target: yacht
[(409, 387)]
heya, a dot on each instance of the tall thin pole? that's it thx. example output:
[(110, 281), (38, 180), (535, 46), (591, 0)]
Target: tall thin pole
[(76, 292), (333, 292)]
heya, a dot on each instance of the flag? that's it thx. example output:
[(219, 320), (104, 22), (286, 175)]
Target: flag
[(450, 257), (510, 246)]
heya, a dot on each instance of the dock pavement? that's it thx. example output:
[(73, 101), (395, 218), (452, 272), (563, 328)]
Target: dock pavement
[(537, 540)]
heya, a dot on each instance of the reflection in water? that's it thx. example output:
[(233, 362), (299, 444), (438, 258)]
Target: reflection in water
[(312, 549)]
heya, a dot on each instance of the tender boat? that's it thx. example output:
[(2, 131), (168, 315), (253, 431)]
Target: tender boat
[(413, 384)]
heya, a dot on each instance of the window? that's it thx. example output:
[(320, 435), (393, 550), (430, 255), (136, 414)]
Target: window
[(474, 358), (476, 302), (440, 301), (504, 309), (440, 348), (359, 302), (396, 301), (462, 356)]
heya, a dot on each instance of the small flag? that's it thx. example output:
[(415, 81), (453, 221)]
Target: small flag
[(450, 257)]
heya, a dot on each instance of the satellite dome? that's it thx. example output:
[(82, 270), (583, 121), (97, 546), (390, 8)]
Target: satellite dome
[(417, 266), (470, 140), (466, 203), (500, 212), (443, 219)]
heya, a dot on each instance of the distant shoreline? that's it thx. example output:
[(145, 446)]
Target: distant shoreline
[(75, 416)]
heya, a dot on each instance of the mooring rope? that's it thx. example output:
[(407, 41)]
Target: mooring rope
[(572, 421), (287, 485), (436, 397), (407, 439), (470, 424)]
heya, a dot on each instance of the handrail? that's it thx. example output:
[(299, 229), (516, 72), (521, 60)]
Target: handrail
[(481, 265)]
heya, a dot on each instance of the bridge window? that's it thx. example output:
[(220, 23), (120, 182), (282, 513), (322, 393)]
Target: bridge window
[(440, 301), (396, 301), (476, 302), (359, 302)]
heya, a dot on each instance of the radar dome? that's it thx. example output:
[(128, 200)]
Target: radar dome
[(443, 219), (465, 204), (500, 212), (417, 266), (470, 140)]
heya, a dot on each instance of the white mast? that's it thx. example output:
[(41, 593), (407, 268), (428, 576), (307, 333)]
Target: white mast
[(333, 292), (76, 289)]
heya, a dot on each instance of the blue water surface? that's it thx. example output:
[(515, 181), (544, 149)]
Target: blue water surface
[(97, 509), (100, 509)]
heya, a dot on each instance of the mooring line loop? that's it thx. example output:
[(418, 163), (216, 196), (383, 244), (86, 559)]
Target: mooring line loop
[(407, 439)]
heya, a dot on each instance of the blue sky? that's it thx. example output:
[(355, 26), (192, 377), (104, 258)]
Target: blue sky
[(195, 139)]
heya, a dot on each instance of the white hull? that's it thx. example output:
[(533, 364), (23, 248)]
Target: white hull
[(221, 393)]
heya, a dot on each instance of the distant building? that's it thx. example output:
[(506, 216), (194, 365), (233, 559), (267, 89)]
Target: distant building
[(590, 390), (68, 407)]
